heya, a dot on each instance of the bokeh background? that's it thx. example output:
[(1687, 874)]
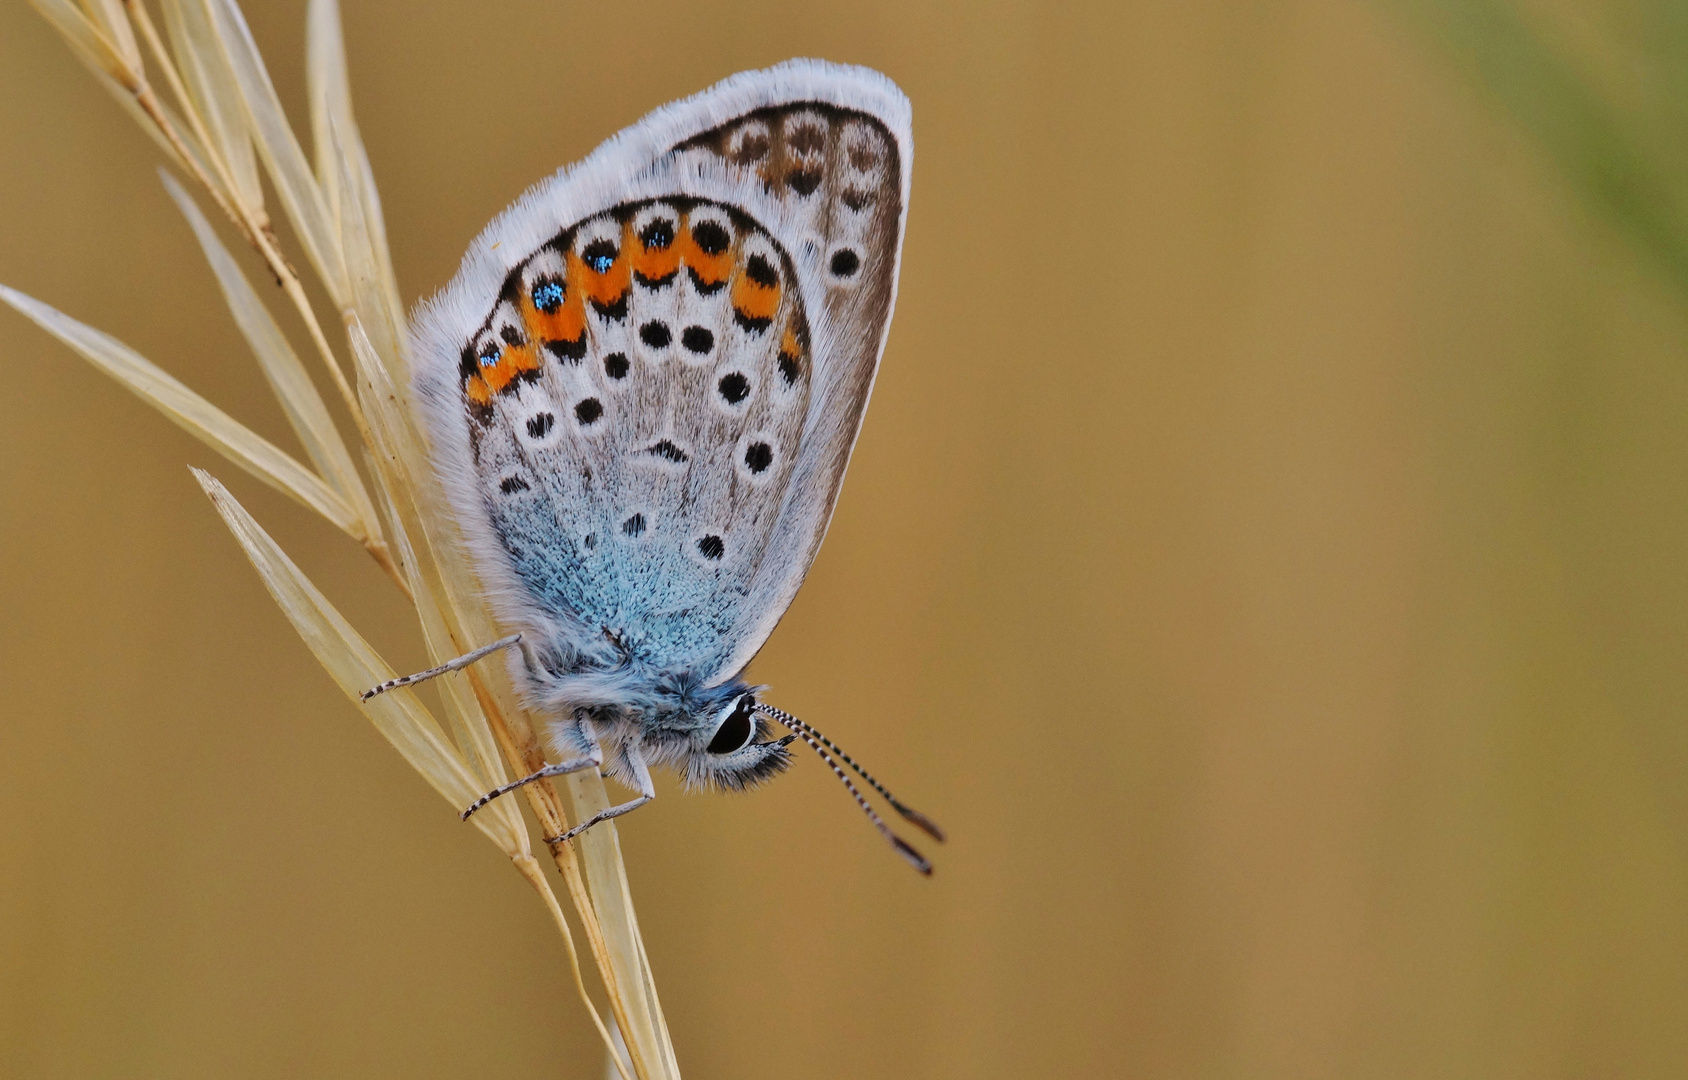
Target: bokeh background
[(1267, 553)]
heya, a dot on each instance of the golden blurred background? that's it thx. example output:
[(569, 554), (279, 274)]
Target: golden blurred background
[(1267, 554)]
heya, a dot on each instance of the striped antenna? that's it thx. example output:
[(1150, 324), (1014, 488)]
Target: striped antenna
[(820, 744)]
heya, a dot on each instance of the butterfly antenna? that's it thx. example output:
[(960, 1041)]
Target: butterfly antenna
[(904, 848), (909, 813)]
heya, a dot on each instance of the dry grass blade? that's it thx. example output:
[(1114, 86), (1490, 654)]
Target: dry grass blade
[(285, 162), (121, 78), (305, 409), (85, 39), (369, 294), (329, 89), (640, 1014), (393, 438), (617, 1054), (215, 72), (191, 412), (114, 26), (223, 162), (468, 722), (440, 609), (210, 84), (303, 405), (397, 715), (355, 666), (389, 426), (530, 869), (334, 134), (601, 895), (375, 222)]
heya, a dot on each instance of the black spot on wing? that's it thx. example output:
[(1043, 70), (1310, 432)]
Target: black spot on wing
[(710, 237), (657, 235), (734, 387), (569, 352), (804, 181), (845, 263), (668, 452), (697, 339), (600, 255), (761, 271)]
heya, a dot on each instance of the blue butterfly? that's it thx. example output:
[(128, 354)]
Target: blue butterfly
[(642, 389)]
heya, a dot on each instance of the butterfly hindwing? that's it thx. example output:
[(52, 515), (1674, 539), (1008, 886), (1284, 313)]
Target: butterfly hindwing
[(644, 426)]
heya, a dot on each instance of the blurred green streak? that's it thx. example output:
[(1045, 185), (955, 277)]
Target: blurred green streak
[(1614, 156)]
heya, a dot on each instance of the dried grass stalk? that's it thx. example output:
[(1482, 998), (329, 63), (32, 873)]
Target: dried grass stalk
[(229, 121), (306, 412), (189, 411)]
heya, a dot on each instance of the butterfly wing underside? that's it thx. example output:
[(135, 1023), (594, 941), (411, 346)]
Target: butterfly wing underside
[(645, 429)]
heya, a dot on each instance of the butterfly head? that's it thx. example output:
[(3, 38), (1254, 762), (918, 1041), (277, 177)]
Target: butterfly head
[(733, 746)]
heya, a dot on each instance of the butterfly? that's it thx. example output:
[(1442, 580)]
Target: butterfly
[(642, 389)]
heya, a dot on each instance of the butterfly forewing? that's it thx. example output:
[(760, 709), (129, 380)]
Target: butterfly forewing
[(837, 178), (637, 401)]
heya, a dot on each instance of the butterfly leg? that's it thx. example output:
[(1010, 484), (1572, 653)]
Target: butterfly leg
[(563, 768), (450, 665), (647, 792)]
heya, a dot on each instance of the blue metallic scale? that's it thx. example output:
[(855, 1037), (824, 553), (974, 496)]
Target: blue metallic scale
[(548, 296)]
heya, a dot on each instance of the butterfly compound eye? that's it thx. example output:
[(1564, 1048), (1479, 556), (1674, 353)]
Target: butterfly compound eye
[(736, 728)]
